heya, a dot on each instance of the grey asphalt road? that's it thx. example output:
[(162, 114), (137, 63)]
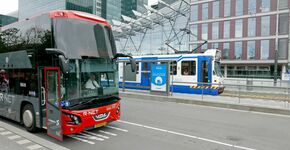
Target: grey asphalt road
[(162, 125)]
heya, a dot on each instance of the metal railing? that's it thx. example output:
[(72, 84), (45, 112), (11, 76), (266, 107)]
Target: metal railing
[(261, 95)]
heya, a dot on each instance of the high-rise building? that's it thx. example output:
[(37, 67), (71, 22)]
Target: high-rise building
[(129, 5), (5, 20), (247, 33), (99, 7), (29, 8), (111, 9)]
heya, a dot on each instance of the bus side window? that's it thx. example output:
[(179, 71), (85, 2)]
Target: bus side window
[(188, 68)]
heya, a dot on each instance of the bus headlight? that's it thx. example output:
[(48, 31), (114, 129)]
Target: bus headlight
[(73, 119), (118, 110)]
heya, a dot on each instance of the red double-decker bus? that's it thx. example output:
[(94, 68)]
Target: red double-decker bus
[(58, 71)]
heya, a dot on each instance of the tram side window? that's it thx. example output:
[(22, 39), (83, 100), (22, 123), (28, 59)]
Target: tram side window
[(173, 68), (188, 68)]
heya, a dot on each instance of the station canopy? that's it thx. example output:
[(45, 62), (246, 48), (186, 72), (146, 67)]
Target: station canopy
[(151, 17)]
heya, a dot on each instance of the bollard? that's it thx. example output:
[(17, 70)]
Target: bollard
[(239, 94), (202, 92)]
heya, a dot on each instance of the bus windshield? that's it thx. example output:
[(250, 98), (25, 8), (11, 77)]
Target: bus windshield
[(79, 38), (90, 78)]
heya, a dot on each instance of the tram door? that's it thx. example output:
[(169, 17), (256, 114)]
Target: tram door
[(146, 74), (205, 71)]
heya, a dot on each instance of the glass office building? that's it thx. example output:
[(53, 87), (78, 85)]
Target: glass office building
[(111, 9), (129, 5), (29, 8), (5, 20), (245, 31)]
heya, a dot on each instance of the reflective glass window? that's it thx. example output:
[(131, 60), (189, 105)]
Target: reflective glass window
[(251, 49), (226, 50), (215, 45), (265, 26), (215, 30), (238, 50), (252, 6), (204, 31), (227, 29), (283, 23), (282, 48), (239, 7), (205, 11), (227, 8), (239, 28), (215, 9), (283, 4), (265, 5), (265, 49), (251, 27), (193, 35), (194, 12)]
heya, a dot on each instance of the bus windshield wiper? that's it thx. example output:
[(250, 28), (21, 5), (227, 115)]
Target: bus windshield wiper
[(83, 103)]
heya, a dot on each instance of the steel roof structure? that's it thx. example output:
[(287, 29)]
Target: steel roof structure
[(129, 27)]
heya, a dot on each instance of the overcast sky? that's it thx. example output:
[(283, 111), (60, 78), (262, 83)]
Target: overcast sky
[(7, 6)]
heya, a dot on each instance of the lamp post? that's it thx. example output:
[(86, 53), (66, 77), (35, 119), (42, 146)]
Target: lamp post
[(276, 47)]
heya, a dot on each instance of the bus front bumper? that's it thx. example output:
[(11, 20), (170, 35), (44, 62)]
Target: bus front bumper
[(76, 121)]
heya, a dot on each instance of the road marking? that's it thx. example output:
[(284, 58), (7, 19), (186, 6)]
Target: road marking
[(124, 130), (6, 133), (95, 134), (13, 137), (186, 135), (34, 147), (21, 142), (244, 111), (80, 139), (90, 137), (109, 133)]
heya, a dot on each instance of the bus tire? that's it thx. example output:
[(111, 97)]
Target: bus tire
[(28, 118)]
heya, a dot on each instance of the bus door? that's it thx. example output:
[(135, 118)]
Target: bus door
[(204, 71), (53, 107), (146, 74)]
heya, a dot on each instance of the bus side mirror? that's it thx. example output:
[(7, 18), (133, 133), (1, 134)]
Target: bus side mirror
[(133, 64), (131, 59), (64, 64)]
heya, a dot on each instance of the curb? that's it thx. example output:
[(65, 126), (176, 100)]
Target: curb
[(208, 103), (33, 138)]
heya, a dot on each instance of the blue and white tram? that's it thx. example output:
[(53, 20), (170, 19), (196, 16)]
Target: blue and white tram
[(189, 73)]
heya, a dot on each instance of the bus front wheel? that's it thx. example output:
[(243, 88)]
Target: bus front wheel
[(28, 118)]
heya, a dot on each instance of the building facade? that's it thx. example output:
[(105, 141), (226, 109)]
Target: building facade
[(5, 20), (29, 8), (99, 7), (129, 5), (111, 9), (249, 32)]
